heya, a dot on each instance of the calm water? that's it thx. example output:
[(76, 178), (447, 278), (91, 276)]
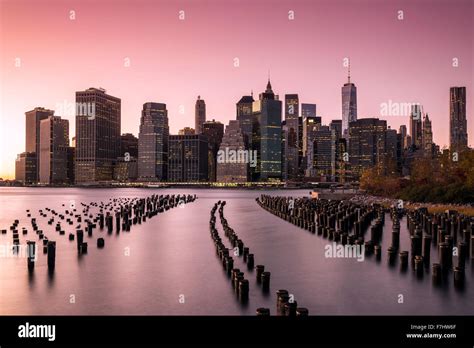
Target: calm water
[(173, 255)]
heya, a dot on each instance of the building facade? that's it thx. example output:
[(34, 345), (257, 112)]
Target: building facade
[(245, 117), (33, 120), (310, 125), (367, 143), (214, 131), (404, 137), (322, 154), (308, 110), (25, 168), (457, 119), (126, 169), (129, 145), (427, 136), (54, 147), (188, 158), (391, 146), (199, 114), (291, 135), (153, 143), (267, 136), (416, 127), (97, 135), (233, 158), (349, 105)]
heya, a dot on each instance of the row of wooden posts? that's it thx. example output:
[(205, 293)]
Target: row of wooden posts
[(286, 305), (348, 223), (127, 212)]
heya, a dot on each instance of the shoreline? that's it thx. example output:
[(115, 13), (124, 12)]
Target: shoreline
[(433, 208)]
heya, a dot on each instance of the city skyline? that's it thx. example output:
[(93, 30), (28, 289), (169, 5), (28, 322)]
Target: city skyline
[(177, 79), (98, 154)]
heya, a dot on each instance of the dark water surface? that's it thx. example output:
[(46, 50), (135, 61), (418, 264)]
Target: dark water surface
[(172, 257)]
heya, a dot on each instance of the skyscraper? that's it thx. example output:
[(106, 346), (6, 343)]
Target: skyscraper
[(308, 110), (188, 158), (126, 168), (336, 125), (416, 126), (427, 136), (291, 137), (214, 131), (266, 136), (54, 147), (199, 114), (232, 169), (391, 144), (32, 140), (349, 104), (71, 163), (339, 164), (310, 124), (404, 137), (284, 149), (367, 143), (245, 118), (153, 142), (341, 160), (97, 135), (457, 119), (322, 154)]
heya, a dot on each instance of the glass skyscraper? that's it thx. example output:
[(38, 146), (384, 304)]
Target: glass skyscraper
[(245, 118), (267, 136), (367, 143), (291, 160), (153, 142), (349, 105)]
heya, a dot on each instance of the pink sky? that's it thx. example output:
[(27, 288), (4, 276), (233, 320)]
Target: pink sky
[(173, 61)]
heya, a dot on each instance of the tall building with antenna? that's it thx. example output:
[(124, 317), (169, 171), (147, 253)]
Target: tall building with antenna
[(266, 136), (349, 104), (427, 136), (416, 127)]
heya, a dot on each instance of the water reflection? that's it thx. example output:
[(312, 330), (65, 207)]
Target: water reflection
[(172, 252)]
